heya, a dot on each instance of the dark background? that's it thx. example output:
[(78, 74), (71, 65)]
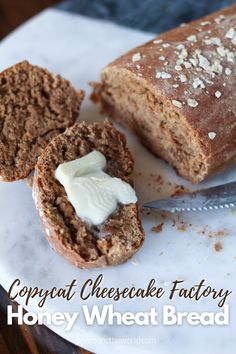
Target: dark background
[(14, 12), (149, 15)]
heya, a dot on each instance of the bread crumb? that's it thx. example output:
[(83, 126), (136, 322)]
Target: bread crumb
[(181, 228), (179, 190), (221, 233), (158, 228), (218, 246)]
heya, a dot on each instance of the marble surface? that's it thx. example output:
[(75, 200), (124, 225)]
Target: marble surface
[(78, 48)]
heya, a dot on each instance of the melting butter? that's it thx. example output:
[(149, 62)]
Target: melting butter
[(92, 192)]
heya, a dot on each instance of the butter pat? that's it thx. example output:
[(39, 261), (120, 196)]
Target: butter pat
[(92, 192)]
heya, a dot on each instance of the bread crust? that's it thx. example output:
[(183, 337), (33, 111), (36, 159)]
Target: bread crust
[(67, 234), (202, 94)]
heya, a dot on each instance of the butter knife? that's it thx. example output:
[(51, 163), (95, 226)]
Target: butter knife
[(219, 197)]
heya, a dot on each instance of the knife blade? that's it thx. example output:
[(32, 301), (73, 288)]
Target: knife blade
[(219, 197)]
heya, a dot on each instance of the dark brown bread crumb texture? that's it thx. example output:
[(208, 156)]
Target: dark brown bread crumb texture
[(35, 106), (65, 231), (178, 94)]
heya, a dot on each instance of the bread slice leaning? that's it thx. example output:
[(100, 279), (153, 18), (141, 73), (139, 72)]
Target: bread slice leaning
[(81, 244), (35, 106)]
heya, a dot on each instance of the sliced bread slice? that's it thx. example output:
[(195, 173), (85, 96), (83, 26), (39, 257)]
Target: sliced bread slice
[(84, 245), (35, 106)]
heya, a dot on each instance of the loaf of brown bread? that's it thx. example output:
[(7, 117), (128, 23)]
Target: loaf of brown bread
[(84, 245), (178, 94), (35, 106)]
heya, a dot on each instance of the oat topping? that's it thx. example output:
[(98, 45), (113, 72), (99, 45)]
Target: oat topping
[(193, 61), (158, 41), (192, 38), (177, 103), (198, 67), (218, 94), (211, 135), (163, 75), (203, 61), (192, 102), (221, 51), (230, 56), (228, 71), (187, 64), (183, 78), (231, 34), (205, 23), (179, 61), (136, 57), (213, 41), (219, 19), (180, 46), (178, 67), (198, 83)]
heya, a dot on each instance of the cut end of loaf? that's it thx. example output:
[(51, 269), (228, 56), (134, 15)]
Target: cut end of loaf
[(35, 107), (160, 126)]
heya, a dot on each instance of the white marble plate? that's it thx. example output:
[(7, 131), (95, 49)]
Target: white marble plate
[(78, 48)]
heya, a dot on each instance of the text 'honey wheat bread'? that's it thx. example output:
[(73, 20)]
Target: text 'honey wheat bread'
[(77, 241), (178, 94), (35, 106)]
